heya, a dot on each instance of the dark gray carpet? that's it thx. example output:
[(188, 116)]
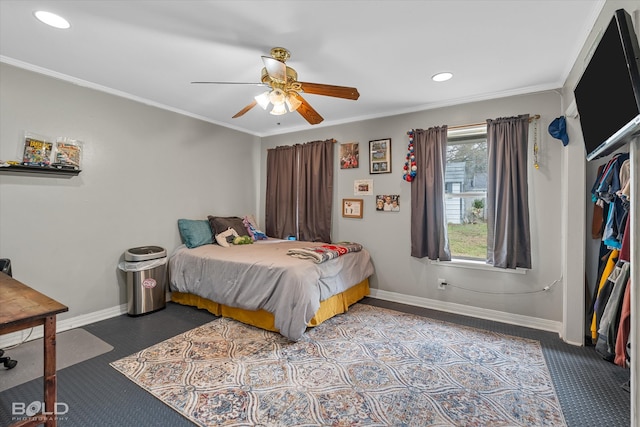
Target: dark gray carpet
[(72, 346), (588, 387)]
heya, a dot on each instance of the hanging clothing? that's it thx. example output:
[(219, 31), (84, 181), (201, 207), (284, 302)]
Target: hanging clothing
[(614, 225), (622, 339), (603, 290), (610, 320), (625, 176), (604, 192), (597, 222), (607, 183), (626, 243)]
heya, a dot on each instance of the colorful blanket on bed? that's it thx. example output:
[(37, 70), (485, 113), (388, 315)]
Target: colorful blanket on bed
[(322, 253)]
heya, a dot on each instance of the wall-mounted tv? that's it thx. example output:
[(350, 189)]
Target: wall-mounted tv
[(608, 93)]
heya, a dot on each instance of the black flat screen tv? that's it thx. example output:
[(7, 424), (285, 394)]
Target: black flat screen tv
[(608, 93)]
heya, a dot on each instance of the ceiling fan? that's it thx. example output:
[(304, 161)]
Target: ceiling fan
[(284, 89)]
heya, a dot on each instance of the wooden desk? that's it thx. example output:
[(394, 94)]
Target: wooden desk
[(20, 308)]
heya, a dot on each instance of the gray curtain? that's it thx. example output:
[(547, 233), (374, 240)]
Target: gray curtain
[(508, 235), (299, 195), (315, 191), (428, 217), (281, 216)]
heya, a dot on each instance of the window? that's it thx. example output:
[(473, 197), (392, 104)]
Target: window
[(466, 192)]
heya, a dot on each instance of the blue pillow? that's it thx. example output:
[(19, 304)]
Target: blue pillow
[(195, 232)]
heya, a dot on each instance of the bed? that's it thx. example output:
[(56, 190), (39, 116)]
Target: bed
[(261, 284)]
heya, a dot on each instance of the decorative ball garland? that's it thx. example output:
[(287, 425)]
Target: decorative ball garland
[(410, 168)]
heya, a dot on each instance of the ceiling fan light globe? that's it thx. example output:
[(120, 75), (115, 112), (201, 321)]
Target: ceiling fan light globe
[(277, 97), (278, 110), (293, 103), (263, 100)]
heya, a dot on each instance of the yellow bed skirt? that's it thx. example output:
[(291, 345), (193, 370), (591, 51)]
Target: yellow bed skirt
[(337, 304)]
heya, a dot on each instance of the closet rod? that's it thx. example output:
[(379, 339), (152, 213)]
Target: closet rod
[(472, 125)]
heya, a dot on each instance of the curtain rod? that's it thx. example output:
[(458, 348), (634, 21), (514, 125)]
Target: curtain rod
[(537, 116)]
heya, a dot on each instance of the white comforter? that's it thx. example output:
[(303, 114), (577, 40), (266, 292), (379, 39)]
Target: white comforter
[(262, 276)]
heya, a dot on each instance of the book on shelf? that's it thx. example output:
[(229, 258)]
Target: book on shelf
[(37, 151), (68, 154)]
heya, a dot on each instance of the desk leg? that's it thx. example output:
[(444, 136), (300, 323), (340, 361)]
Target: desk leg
[(50, 370)]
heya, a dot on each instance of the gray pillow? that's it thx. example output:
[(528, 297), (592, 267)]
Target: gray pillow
[(220, 224)]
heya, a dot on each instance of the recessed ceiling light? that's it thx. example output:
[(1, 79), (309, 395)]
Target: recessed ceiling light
[(441, 77), (52, 19)]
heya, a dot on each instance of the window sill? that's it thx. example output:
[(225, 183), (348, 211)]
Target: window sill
[(477, 265)]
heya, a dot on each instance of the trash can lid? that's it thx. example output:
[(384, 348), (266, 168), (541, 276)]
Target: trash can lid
[(144, 253)]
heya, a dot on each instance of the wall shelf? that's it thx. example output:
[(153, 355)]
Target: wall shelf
[(44, 170)]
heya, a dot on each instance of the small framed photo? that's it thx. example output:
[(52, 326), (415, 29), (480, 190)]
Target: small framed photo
[(388, 203), (349, 155), (363, 187), (352, 208), (380, 156)]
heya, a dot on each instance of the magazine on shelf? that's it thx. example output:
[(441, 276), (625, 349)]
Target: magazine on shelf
[(37, 151), (68, 154)]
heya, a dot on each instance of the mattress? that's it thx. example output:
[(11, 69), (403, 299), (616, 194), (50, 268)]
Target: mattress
[(264, 277)]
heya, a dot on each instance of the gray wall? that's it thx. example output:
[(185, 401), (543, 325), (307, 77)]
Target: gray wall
[(387, 235), (143, 168)]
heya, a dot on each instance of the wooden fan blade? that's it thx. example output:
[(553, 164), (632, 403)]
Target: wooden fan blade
[(307, 111), (276, 69), (330, 90), (245, 109), (230, 83)]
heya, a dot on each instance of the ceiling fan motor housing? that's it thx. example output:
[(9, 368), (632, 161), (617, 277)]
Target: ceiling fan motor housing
[(292, 76)]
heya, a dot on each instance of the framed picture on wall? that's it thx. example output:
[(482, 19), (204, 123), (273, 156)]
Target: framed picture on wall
[(380, 156), (388, 203), (349, 155), (363, 187), (352, 208)]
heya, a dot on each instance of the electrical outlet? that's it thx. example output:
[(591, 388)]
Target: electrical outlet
[(442, 284)]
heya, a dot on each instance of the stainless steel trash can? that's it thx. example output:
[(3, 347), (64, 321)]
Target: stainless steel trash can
[(5, 266), (147, 277)]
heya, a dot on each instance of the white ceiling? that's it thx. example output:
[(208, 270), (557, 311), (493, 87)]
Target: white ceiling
[(151, 51)]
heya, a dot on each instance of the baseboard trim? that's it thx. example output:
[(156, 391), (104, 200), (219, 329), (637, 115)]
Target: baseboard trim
[(19, 337), (449, 307), (466, 310)]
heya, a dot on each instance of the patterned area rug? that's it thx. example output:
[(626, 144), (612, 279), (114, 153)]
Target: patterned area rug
[(367, 367)]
